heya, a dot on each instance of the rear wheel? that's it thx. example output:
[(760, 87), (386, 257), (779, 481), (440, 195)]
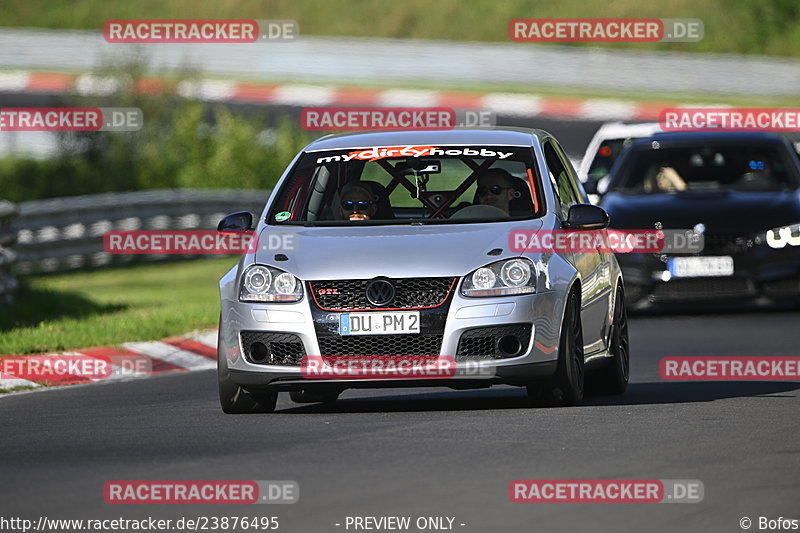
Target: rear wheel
[(567, 385), (234, 399), (613, 379)]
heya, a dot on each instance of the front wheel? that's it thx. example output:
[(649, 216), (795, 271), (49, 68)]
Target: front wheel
[(567, 385), (613, 378)]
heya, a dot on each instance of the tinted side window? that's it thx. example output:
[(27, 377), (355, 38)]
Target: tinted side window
[(560, 180), (577, 188)]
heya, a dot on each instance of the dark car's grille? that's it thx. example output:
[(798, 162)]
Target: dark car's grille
[(410, 293), (783, 288), (266, 348), (714, 244), (707, 288), (486, 342), (419, 344), (633, 293)]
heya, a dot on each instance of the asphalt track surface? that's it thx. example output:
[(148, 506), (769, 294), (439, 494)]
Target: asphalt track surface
[(435, 452), (432, 452)]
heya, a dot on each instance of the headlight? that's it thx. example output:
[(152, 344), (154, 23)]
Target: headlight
[(483, 278), (267, 284), (512, 276), (784, 236), (515, 273)]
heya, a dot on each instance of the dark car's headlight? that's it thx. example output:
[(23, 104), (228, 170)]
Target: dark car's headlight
[(260, 283), (783, 236), (511, 276)]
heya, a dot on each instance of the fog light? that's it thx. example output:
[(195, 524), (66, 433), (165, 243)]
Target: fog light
[(259, 353), (509, 345)]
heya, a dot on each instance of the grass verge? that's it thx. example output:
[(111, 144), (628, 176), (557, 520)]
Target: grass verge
[(767, 27), (108, 307)]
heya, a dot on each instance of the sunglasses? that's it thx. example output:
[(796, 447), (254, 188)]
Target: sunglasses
[(494, 189), (351, 206)]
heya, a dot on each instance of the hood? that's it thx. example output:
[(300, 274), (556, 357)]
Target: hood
[(719, 211), (322, 253)]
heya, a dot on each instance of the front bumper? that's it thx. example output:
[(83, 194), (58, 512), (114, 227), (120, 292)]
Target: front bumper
[(308, 324), (759, 272)]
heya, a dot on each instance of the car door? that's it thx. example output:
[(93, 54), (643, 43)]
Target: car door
[(593, 267)]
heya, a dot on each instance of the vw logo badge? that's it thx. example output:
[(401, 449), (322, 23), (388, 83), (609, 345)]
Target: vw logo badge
[(380, 292)]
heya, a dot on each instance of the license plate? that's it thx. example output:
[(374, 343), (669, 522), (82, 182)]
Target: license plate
[(695, 267), (389, 323)]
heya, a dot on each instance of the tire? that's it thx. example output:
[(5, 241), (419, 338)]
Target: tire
[(613, 378), (304, 396), (234, 399), (566, 387)]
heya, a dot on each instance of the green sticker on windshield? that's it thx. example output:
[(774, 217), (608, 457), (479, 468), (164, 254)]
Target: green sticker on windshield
[(282, 216)]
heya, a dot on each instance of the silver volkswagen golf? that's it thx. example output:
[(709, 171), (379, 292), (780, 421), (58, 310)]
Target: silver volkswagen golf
[(389, 259)]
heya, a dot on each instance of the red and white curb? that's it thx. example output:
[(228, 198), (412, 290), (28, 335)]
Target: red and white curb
[(506, 104), (193, 351)]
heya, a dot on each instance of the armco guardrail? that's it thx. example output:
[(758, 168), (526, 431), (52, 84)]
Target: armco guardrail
[(8, 237), (62, 234)]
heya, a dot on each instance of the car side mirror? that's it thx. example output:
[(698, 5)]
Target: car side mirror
[(586, 216), (241, 221)]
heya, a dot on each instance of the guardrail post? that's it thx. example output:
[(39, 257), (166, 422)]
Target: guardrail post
[(62, 234), (8, 236)]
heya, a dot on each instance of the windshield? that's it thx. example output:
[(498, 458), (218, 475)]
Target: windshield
[(729, 166), (409, 184)]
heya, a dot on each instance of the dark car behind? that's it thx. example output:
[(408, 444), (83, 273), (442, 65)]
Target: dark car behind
[(739, 190)]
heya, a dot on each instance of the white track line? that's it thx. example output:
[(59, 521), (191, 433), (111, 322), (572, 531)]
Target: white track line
[(171, 354)]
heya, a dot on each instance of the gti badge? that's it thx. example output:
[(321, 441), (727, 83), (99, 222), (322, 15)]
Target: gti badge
[(323, 292)]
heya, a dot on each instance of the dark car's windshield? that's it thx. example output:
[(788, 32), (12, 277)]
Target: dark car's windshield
[(409, 184), (712, 166)]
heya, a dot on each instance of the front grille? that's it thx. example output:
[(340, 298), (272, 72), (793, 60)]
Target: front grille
[(485, 342), (697, 289), (411, 344), (410, 293), (267, 348)]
